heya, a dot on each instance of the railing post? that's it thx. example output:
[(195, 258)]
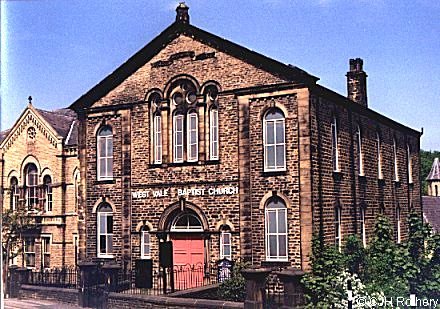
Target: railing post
[(293, 288), (255, 287), (87, 271)]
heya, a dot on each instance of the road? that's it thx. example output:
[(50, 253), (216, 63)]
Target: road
[(15, 303)]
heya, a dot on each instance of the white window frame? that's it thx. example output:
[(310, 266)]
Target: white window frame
[(213, 134), (44, 248), (100, 215), (108, 173), (145, 255), (277, 233), (157, 128), (224, 244), (335, 145), (379, 156), (275, 144), (48, 205), (188, 227), (396, 166), (338, 227), (398, 222), (76, 186), (25, 252), (192, 157), (410, 173), (31, 190), (75, 239), (178, 157), (15, 194), (360, 154), (363, 230)]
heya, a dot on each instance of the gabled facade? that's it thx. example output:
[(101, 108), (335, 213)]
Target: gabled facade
[(230, 154), (40, 174)]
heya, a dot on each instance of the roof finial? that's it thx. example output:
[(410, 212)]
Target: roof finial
[(182, 15), (30, 100)]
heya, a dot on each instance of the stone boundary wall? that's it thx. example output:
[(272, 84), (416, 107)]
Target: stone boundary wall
[(69, 296)]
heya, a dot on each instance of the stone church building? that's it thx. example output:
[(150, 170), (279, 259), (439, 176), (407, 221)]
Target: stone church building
[(231, 154), (40, 174)]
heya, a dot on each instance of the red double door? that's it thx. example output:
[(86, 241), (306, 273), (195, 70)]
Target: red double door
[(188, 258)]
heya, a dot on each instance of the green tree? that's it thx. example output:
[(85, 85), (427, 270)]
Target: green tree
[(14, 225), (355, 256)]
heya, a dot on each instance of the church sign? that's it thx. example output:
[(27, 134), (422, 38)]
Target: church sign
[(185, 191)]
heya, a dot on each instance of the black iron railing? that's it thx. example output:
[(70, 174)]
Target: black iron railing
[(66, 277)]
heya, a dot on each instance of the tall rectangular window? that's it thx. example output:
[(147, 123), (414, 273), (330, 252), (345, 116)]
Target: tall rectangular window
[(178, 138), (14, 195), (31, 186), (276, 230), (379, 156), (225, 246), (29, 251), (396, 167), (145, 245), (409, 159), (45, 251), (274, 141), (105, 230), (335, 149), (213, 135), (363, 231), (47, 181), (338, 232), (157, 139), (359, 152), (105, 153), (398, 236), (193, 139)]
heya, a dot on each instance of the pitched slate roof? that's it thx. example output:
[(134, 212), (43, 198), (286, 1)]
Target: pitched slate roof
[(431, 211), (177, 28), (434, 174), (63, 121)]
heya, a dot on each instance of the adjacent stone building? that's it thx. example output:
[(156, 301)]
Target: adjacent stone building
[(40, 173), (431, 202), (231, 154)]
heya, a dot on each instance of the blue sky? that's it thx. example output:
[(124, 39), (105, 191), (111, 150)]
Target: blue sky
[(56, 50)]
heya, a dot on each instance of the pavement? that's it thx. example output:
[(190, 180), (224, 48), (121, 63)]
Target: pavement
[(15, 303)]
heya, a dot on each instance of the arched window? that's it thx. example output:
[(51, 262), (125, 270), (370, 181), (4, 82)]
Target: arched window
[(398, 236), (225, 243), (276, 230), (145, 243), (335, 146), (409, 159), (31, 182), (213, 134), (337, 224), (193, 137), (178, 124), (363, 231), (186, 222), (360, 159), (77, 196), (47, 182), (379, 156), (15, 195), (396, 167), (105, 153), (105, 230), (274, 141), (157, 139)]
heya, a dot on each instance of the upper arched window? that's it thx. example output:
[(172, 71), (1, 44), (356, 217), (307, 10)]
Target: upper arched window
[(47, 182), (105, 153), (409, 159), (157, 137), (31, 182), (187, 222), (193, 136), (396, 167), (76, 186), (14, 193), (274, 140), (105, 230), (360, 157), (335, 145), (178, 137), (276, 230), (379, 156), (213, 134)]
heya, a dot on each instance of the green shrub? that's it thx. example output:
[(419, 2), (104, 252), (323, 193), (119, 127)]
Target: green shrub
[(234, 289)]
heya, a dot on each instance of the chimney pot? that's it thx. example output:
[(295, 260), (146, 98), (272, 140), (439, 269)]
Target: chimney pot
[(182, 15), (357, 82)]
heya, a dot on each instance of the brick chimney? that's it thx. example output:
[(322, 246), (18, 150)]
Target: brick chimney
[(182, 15), (357, 82)]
